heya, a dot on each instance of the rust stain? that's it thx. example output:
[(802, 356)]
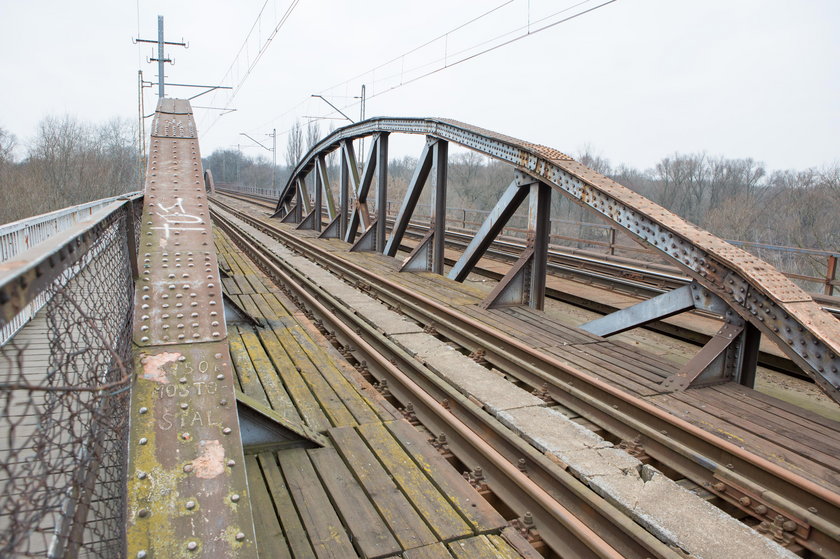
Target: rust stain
[(153, 366), (211, 462)]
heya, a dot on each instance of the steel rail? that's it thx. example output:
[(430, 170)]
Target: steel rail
[(698, 454), (561, 504), (756, 291)]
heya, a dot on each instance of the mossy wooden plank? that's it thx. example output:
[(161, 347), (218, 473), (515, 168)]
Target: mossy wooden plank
[(249, 383), (434, 551), (385, 410), (296, 536), (251, 308), (278, 398), (303, 399), (371, 535), (466, 500), (357, 405), (514, 544), (326, 533), (434, 507), (480, 547), (271, 305), (271, 543), (405, 523), (332, 405)]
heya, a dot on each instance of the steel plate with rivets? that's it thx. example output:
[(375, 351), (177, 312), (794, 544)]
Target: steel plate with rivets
[(187, 491), (754, 289)]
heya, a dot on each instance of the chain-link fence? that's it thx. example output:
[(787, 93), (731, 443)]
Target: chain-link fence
[(64, 396)]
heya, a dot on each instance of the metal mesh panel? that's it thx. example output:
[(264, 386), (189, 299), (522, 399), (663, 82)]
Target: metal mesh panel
[(64, 395)]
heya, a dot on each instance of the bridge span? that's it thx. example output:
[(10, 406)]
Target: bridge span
[(187, 373)]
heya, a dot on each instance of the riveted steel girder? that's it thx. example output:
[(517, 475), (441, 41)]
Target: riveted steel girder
[(187, 491)]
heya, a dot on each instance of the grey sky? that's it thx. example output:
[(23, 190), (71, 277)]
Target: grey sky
[(636, 80)]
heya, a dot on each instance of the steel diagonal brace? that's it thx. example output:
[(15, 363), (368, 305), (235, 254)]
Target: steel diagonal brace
[(360, 214), (731, 354)]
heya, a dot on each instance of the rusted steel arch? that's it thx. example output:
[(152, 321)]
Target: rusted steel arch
[(752, 288)]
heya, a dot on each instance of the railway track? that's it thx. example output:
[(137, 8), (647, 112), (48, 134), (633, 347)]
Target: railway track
[(641, 280), (749, 484)]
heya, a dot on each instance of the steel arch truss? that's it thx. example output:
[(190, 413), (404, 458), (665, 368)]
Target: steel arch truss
[(765, 300)]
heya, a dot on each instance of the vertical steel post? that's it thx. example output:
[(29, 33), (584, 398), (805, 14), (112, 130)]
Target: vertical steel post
[(319, 190), (830, 275), (274, 158), (612, 241), (160, 57), (381, 190), (441, 159), (343, 191), (539, 213)]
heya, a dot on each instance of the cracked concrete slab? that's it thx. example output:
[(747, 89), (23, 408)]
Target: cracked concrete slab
[(467, 376), (550, 431)]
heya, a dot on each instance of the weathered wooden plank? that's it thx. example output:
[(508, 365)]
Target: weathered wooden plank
[(371, 535), (304, 400), (285, 509), (326, 533), (466, 500), (245, 373), (351, 398), (278, 398), (434, 507), (407, 526), (331, 404), (481, 548), (434, 551), (518, 542), (271, 543)]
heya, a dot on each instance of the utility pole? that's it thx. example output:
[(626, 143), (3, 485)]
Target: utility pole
[(361, 118), (274, 158), (161, 58)]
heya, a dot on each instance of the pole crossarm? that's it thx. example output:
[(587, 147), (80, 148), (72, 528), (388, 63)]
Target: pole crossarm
[(754, 289)]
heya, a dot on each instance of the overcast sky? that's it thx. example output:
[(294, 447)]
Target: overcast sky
[(636, 80)]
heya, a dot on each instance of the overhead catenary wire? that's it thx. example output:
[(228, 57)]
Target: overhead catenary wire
[(262, 50), (446, 62)]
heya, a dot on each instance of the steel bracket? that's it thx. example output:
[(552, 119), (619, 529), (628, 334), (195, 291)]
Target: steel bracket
[(332, 230), (367, 241)]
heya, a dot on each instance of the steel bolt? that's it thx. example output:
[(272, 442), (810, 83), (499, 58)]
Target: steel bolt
[(226, 431), (192, 546), (231, 463), (234, 498), (240, 536), (188, 468), (143, 440), (143, 410), (190, 505), (141, 554), (143, 513)]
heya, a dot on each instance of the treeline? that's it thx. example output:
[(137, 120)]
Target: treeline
[(733, 198), (67, 162)]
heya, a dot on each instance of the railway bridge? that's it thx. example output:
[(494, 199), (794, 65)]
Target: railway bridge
[(195, 371)]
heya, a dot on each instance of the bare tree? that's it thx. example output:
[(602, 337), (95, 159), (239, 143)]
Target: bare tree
[(294, 146), (313, 134)]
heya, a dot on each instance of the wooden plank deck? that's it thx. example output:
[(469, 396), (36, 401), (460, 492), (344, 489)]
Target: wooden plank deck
[(379, 489)]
